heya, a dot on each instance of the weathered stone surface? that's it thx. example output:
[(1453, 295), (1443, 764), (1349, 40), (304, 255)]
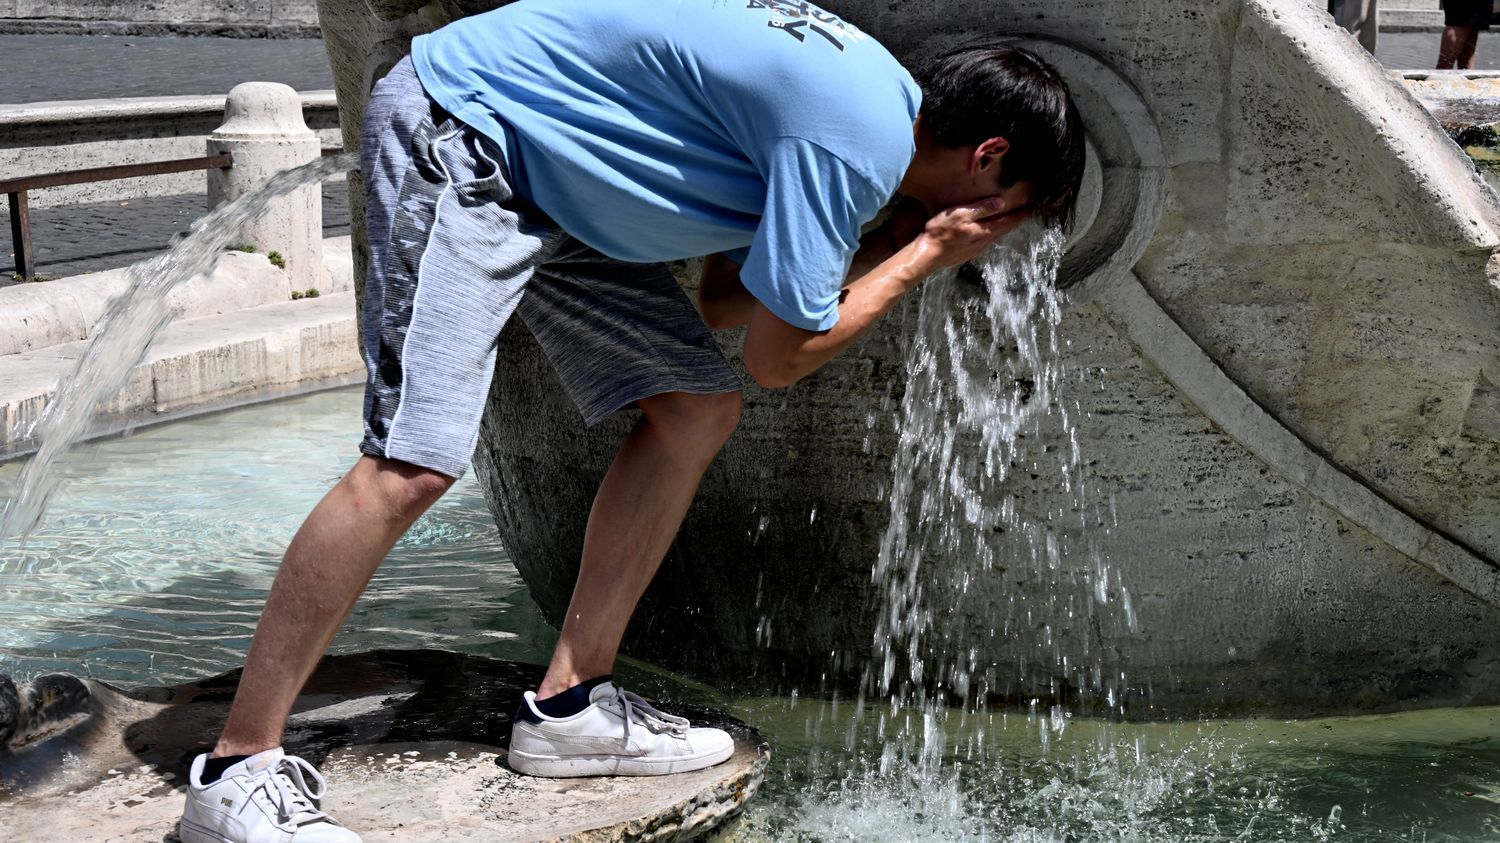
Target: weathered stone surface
[(262, 12), (412, 743), (1284, 320), (67, 309)]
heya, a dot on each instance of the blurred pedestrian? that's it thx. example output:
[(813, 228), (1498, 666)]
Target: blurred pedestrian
[(1464, 20), (1360, 17)]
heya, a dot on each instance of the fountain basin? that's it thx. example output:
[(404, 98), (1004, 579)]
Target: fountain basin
[(1283, 344), (180, 494), (1467, 104)]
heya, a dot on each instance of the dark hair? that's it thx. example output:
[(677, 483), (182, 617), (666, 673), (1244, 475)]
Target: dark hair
[(976, 93)]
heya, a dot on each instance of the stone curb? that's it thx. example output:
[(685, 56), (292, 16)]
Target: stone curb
[(197, 366), (111, 111), (1413, 27), (38, 315), (1411, 20), (143, 29), (41, 315), (266, 346)]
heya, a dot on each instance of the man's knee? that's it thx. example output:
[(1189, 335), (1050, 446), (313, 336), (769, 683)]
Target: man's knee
[(404, 490), (710, 419)]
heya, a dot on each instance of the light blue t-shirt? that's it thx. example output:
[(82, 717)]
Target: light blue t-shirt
[(652, 130)]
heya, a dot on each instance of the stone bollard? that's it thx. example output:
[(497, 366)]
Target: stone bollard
[(263, 129)]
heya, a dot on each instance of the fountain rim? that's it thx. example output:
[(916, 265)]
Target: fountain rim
[(1126, 154)]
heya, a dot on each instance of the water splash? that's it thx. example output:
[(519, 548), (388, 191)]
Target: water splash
[(1103, 781), (970, 564), (131, 321), (984, 374)]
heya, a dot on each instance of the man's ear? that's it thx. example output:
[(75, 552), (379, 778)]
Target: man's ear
[(987, 155)]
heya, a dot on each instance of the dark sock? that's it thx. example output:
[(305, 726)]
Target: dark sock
[(213, 768), (569, 702)]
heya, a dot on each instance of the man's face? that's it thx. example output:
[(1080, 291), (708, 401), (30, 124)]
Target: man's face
[(976, 175), (1016, 197)]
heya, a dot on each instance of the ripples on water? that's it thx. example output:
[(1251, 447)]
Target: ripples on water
[(1424, 776), (153, 566), (130, 323), (151, 569)]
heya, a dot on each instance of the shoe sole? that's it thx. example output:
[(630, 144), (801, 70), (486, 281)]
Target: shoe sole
[(574, 766), (189, 832)]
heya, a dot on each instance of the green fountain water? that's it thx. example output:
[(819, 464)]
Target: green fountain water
[(152, 568)]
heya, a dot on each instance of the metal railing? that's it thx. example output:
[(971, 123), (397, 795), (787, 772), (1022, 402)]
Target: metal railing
[(20, 213), (16, 189)]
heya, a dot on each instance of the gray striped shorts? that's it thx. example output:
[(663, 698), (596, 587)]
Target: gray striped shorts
[(453, 252)]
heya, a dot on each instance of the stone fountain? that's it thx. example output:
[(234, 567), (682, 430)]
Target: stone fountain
[(1285, 326)]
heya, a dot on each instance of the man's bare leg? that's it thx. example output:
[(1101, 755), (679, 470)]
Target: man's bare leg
[(326, 567), (1457, 48), (636, 514)]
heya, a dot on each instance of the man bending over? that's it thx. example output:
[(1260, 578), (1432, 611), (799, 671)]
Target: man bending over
[(545, 158)]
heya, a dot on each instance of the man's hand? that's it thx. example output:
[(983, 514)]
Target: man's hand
[(958, 235), (778, 354), (951, 237)]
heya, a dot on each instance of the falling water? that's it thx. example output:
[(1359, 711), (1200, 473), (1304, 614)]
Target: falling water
[(984, 374), (131, 321), (984, 416)]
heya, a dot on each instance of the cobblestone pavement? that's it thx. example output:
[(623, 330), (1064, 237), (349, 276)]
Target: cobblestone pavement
[(1418, 50), (41, 68), (88, 238), (76, 239), (35, 68)]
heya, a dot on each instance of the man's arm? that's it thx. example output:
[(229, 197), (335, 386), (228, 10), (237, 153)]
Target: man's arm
[(901, 226), (778, 354), (725, 303)]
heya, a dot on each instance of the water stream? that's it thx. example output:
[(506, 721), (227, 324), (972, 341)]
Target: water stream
[(123, 334), (984, 373), (984, 400)]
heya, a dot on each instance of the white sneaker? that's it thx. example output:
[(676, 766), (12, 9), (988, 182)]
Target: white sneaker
[(619, 734), (270, 797)]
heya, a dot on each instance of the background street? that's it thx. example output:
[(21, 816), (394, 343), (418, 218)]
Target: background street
[(88, 238)]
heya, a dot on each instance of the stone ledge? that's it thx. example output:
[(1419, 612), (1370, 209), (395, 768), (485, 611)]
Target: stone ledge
[(116, 109), (197, 366), (238, 338), (141, 29), (39, 315), (1412, 18), (412, 743)]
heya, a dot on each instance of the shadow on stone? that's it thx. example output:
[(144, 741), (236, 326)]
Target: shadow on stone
[(412, 742)]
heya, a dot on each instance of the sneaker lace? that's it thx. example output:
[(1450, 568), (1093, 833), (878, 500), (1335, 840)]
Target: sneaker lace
[(296, 798), (649, 715)]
